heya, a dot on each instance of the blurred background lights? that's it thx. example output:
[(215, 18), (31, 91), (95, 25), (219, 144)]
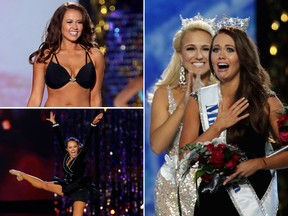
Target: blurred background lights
[(98, 29), (284, 17), (103, 10), (106, 26), (273, 50), (112, 8), (116, 30), (112, 211), (6, 124), (101, 22), (275, 25)]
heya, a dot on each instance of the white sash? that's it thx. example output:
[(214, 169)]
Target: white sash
[(242, 194), (208, 99)]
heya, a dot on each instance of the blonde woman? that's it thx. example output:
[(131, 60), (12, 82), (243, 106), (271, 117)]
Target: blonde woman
[(187, 70)]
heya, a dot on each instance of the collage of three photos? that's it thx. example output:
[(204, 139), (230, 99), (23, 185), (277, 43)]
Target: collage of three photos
[(125, 107)]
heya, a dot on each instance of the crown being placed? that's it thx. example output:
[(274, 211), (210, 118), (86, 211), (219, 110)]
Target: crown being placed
[(188, 21), (233, 22)]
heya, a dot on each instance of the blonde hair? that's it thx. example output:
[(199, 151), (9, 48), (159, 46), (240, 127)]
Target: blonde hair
[(170, 74)]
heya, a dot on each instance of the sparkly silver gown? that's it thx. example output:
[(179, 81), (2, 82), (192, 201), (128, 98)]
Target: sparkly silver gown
[(168, 179)]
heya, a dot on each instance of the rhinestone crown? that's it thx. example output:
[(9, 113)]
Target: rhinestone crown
[(188, 21), (236, 22)]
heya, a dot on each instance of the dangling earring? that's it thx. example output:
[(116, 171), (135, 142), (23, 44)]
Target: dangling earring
[(213, 79), (182, 79)]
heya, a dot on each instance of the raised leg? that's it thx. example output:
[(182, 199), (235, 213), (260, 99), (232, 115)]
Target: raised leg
[(38, 183), (78, 208)]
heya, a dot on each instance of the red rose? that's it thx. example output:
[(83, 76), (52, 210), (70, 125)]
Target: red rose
[(282, 120), (207, 178), (283, 127), (232, 163), (221, 147), (217, 156), (283, 135), (210, 147)]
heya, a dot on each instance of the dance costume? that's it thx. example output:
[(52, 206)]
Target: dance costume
[(76, 185)]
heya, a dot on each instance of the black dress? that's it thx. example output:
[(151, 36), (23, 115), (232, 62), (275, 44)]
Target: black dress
[(220, 203), (76, 185)]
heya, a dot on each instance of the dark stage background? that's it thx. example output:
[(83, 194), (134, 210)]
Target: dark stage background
[(116, 160)]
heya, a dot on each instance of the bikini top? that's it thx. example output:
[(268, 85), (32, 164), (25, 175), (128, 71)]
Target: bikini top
[(57, 76)]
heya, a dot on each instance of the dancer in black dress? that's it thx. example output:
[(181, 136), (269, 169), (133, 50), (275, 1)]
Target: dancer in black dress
[(75, 184)]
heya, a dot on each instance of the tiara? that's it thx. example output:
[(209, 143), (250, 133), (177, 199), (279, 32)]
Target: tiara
[(188, 21), (226, 21)]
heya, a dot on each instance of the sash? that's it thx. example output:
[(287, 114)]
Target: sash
[(242, 194), (208, 99)]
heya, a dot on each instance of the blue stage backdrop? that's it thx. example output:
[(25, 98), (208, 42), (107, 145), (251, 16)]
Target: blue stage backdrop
[(161, 22)]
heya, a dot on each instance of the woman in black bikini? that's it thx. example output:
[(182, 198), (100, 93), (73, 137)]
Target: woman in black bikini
[(75, 185), (68, 61)]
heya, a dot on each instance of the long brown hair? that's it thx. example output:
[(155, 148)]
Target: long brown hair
[(53, 35), (254, 82)]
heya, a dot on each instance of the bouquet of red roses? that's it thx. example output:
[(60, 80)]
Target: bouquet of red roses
[(216, 160), (283, 126)]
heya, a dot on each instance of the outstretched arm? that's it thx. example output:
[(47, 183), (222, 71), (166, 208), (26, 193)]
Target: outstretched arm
[(97, 119), (58, 133), (52, 118), (89, 140)]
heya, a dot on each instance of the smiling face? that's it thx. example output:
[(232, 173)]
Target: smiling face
[(72, 25), (72, 148), (194, 51), (224, 58)]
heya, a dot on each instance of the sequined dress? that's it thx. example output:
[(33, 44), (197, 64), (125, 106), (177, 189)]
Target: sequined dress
[(168, 178)]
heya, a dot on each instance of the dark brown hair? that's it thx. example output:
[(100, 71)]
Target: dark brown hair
[(53, 35), (254, 82)]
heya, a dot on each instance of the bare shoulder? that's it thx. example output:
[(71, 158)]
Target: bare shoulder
[(46, 53), (160, 92), (160, 96), (96, 53), (275, 105)]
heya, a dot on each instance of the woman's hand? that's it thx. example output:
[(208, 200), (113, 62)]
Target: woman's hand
[(231, 116), (97, 118), (52, 118), (247, 168), (186, 96)]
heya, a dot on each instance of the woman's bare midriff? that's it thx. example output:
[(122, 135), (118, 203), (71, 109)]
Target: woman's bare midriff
[(70, 95)]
